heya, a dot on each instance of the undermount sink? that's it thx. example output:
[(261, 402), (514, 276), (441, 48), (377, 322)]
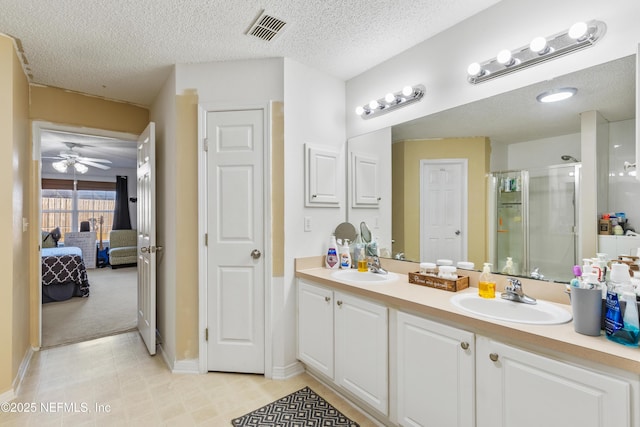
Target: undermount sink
[(542, 313), (355, 276)]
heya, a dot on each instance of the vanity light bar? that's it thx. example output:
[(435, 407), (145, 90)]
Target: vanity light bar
[(391, 101), (581, 35)]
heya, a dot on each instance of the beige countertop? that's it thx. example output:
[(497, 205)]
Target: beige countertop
[(435, 303)]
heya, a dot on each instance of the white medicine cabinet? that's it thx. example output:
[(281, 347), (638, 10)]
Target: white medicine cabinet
[(322, 176)]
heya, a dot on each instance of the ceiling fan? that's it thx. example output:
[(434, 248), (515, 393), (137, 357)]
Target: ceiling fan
[(80, 164)]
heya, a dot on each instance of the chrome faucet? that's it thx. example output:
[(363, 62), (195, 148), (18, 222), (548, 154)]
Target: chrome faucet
[(513, 292), (374, 265), (535, 274)]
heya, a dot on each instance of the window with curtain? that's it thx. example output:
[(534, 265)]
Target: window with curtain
[(64, 207)]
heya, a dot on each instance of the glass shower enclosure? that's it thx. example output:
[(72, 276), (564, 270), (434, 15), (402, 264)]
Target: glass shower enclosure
[(533, 219)]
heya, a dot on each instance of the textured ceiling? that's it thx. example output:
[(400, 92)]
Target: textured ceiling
[(124, 49)]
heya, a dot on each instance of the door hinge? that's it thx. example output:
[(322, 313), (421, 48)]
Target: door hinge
[(206, 239), (206, 334), (205, 144)]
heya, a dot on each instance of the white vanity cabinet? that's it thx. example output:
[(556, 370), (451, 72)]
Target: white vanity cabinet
[(515, 387), (340, 328), (435, 373), (315, 327)]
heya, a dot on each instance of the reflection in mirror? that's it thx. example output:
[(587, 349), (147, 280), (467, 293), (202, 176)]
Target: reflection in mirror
[(365, 233), (523, 134)]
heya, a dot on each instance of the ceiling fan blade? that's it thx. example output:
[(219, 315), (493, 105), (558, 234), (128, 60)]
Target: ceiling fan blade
[(95, 160), (95, 165), (56, 158)]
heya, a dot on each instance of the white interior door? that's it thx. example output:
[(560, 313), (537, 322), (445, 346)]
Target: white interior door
[(146, 225), (443, 209), (235, 265)]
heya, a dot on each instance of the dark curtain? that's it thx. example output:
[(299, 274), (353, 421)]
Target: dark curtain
[(121, 219)]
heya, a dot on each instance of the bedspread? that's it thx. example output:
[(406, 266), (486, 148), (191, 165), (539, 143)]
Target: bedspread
[(63, 269)]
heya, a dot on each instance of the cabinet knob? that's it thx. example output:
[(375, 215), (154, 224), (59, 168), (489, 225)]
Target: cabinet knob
[(339, 303), (493, 357), (327, 299), (464, 345)]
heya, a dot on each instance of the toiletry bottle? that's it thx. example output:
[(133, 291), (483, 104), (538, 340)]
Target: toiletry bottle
[(630, 318), (614, 323), (332, 253), (577, 279), (486, 284), (508, 267), (345, 255)]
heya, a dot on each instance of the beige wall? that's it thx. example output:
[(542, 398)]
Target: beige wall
[(406, 156), (15, 172), (71, 108), (277, 188), (186, 223)]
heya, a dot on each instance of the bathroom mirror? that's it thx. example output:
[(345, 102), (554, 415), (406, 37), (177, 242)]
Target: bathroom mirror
[(512, 121)]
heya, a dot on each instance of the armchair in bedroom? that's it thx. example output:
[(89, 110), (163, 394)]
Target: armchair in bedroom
[(123, 248)]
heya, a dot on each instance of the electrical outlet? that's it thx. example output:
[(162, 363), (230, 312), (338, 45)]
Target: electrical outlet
[(307, 223)]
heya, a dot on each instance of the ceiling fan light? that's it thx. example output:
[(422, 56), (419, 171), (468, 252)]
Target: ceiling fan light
[(60, 166), (80, 168)]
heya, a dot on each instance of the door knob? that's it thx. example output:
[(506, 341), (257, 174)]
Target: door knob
[(144, 249), (494, 357), (464, 345), (255, 254)]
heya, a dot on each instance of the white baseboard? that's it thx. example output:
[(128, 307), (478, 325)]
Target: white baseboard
[(186, 366), (285, 372), (9, 395)]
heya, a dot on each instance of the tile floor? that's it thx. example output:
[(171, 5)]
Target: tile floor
[(113, 381)]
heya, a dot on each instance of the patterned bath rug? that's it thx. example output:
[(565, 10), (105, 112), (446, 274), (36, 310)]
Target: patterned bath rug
[(304, 408)]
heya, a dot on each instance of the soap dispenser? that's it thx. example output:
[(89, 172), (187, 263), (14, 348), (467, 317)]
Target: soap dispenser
[(332, 253), (345, 255), (486, 284)]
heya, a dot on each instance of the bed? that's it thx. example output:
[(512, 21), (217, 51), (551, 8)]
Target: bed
[(63, 274)]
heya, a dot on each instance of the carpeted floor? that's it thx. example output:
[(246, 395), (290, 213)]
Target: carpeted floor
[(110, 309)]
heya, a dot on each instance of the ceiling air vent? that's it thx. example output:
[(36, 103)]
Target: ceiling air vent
[(266, 27)]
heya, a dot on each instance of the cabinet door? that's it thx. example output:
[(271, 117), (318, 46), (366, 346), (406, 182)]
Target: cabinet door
[(364, 181), (315, 327), (519, 388), (436, 371), (322, 176), (361, 349)]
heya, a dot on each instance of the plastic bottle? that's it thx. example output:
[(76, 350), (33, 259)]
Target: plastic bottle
[(486, 285), (615, 327), (508, 267), (332, 260), (345, 255), (359, 256)]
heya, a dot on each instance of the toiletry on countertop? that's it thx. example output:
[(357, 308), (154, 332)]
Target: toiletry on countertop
[(577, 279), (619, 328), (332, 260), (345, 255), (428, 269), (465, 265), (486, 283), (508, 266), (447, 272)]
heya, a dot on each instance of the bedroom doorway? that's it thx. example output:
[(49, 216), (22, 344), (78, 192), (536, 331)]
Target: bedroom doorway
[(77, 168)]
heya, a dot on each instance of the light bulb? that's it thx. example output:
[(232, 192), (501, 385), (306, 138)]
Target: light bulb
[(504, 57), (578, 30), (80, 168), (389, 98), (60, 166), (359, 110), (474, 69), (374, 104), (539, 45), (407, 90)]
